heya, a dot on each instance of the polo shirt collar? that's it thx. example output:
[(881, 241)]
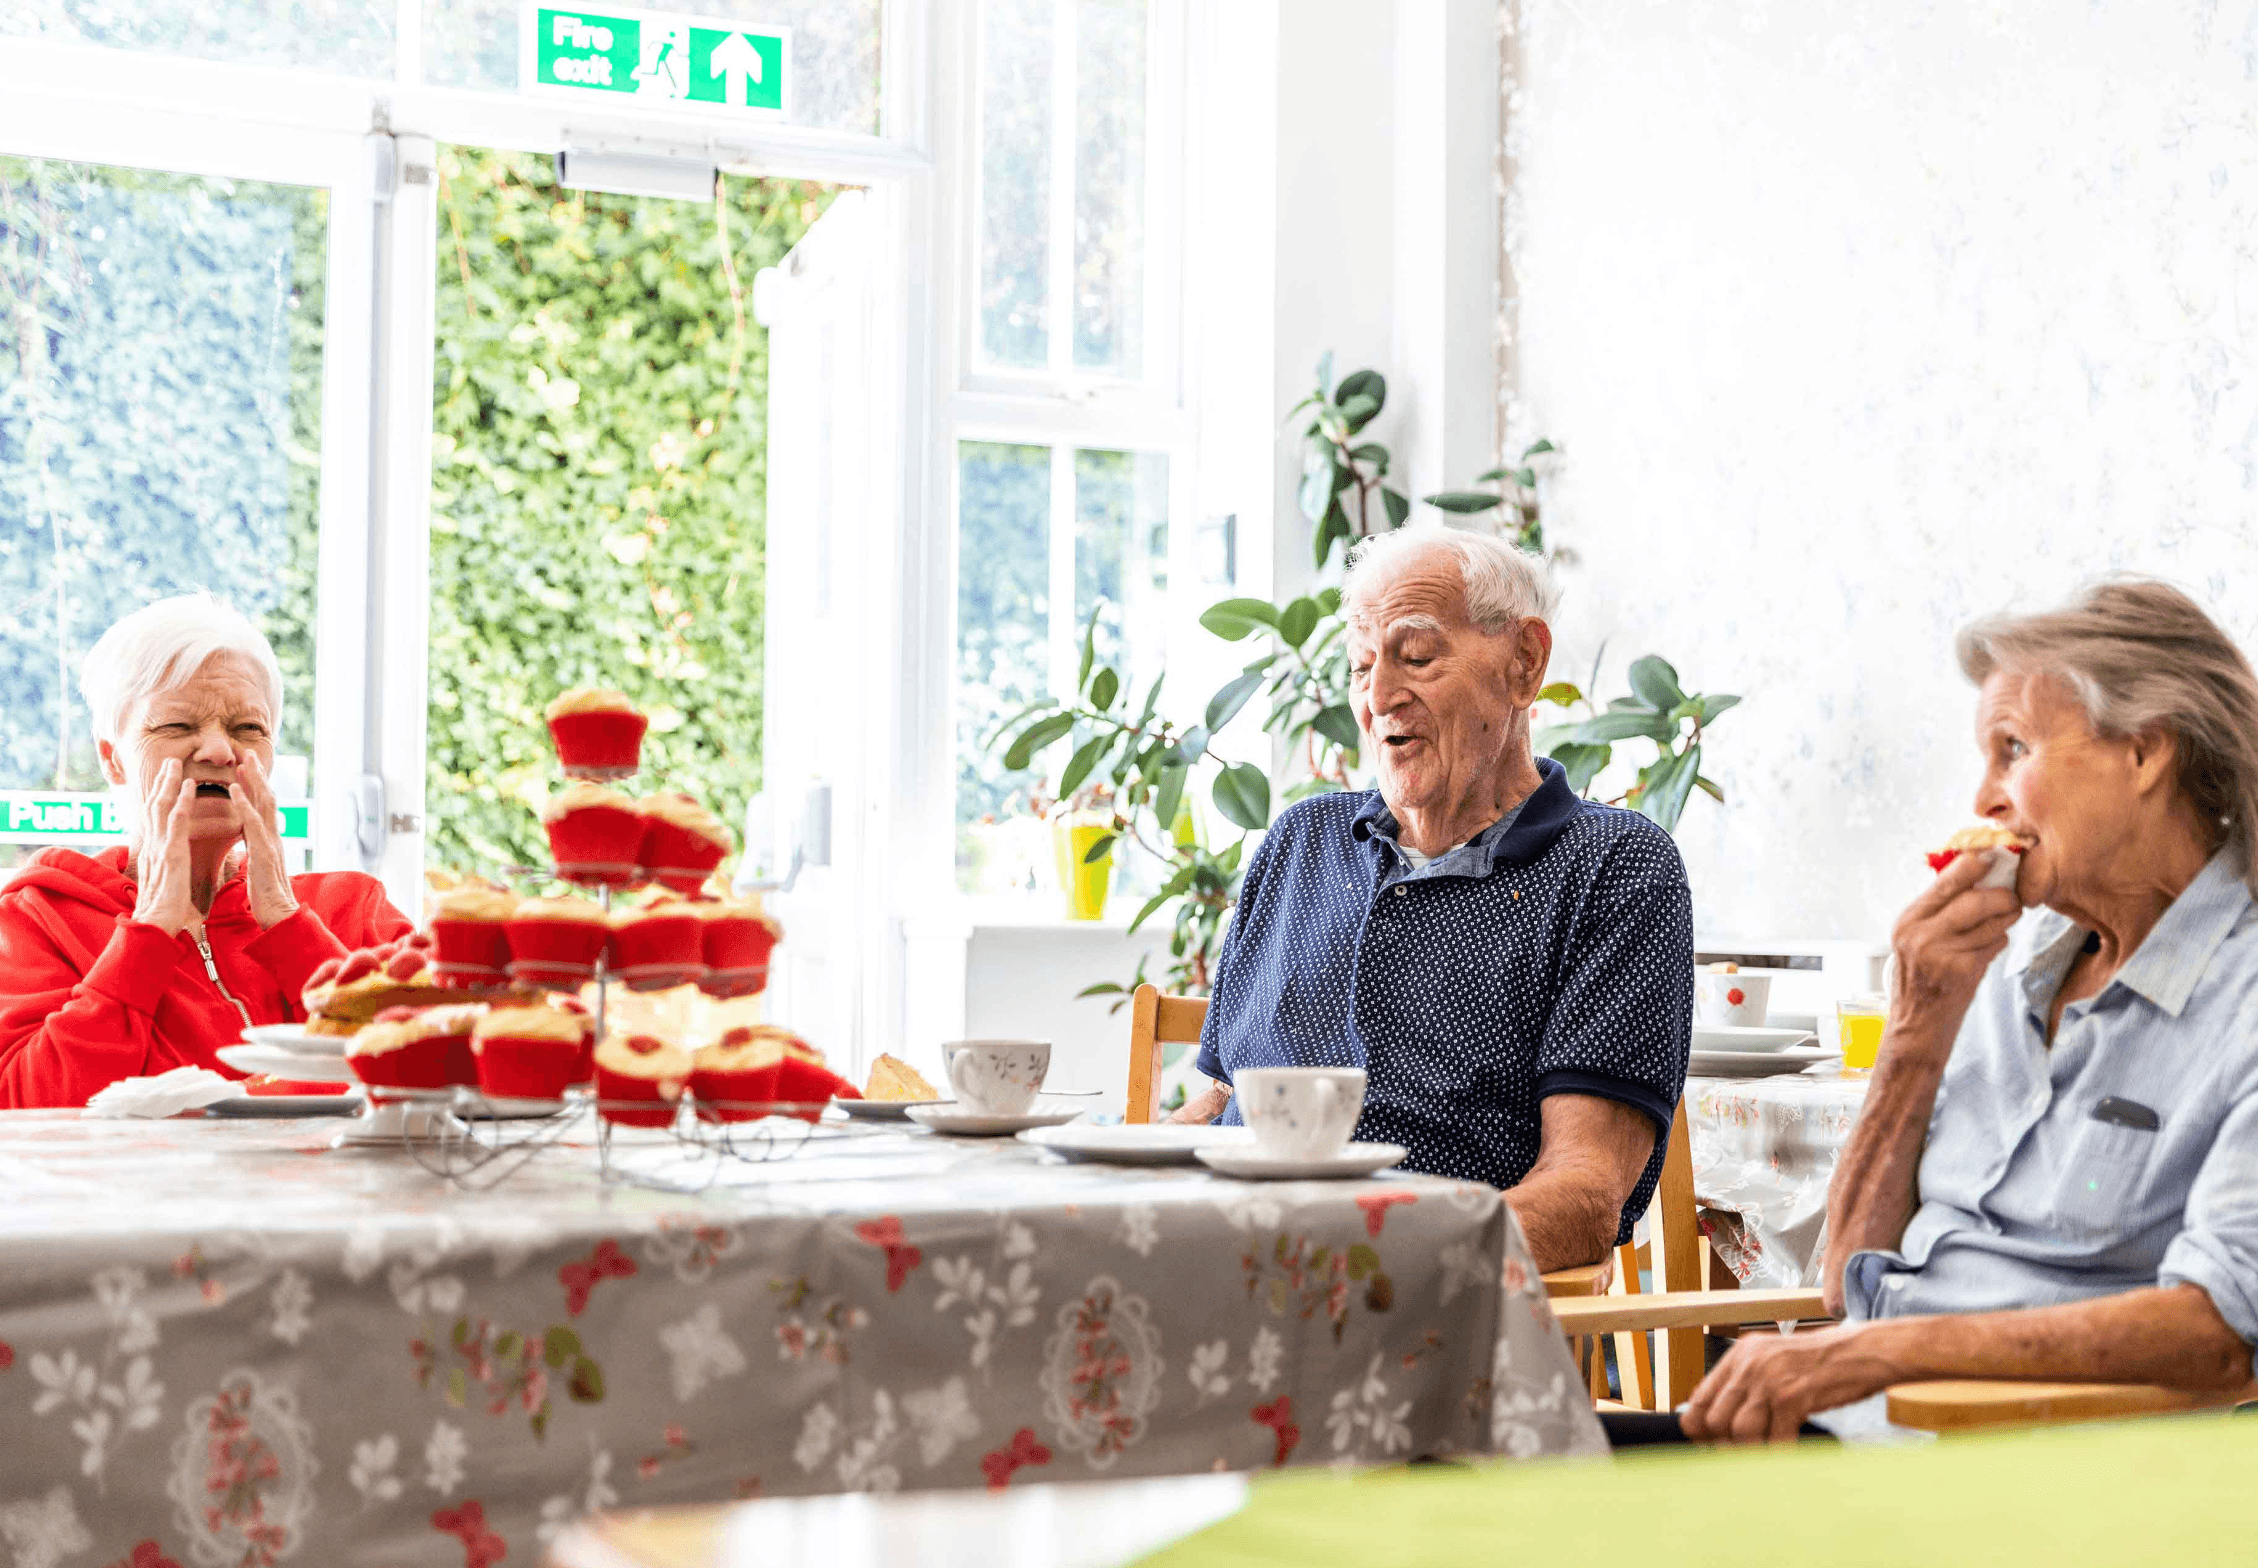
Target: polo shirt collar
[(2166, 967), (1542, 818)]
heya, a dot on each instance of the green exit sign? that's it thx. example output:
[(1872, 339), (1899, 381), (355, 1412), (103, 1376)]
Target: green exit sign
[(80, 820), (658, 57)]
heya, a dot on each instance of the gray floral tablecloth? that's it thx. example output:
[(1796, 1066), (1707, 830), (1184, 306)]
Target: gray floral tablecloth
[(229, 1343), (1764, 1150)]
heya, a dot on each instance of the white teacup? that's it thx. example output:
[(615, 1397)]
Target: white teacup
[(997, 1077), (1739, 1000), (1300, 1113)]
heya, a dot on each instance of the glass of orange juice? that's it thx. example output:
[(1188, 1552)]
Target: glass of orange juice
[(1859, 1021)]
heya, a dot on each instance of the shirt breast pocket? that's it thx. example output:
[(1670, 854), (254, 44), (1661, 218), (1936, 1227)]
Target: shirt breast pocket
[(2103, 1183)]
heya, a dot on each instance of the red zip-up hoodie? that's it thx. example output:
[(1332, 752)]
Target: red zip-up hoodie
[(89, 995)]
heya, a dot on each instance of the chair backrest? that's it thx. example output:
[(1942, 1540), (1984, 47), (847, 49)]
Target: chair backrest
[(1675, 1262), (1154, 1021)]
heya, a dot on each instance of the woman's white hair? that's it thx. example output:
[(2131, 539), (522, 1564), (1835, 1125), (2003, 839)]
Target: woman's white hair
[(2139, 656), (161, 645), (1503, 583)]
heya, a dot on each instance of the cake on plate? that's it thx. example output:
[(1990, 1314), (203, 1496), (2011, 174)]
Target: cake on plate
[(891, 1078), (639, 1079), (598, 733)]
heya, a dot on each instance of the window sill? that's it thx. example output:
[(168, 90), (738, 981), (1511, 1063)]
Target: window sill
[(971, 915)]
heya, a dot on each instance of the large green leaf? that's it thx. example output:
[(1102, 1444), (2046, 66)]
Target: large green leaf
[(1297, 621), (1318, 486), (1605, 728), (1104, 686), (1357, 411), (1338, 725), (1325, 374), (1169, 796), (1232, 619), (1656, 684), (1084, 759), (1463, 501), (1226, 703), (1581, 763), (1034, 738), (1664, 798), (1027, 712), (1331, 527), (1099, 849), (1363, 383), (1191, 745), (1712, 706), (1397, 503), (1242, 794), (1089, 649)]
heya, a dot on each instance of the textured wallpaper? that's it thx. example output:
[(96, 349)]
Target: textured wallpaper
[(1856, 319)]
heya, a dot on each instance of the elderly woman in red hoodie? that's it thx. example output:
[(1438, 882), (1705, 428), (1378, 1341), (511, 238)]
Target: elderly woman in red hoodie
[(154, 955)]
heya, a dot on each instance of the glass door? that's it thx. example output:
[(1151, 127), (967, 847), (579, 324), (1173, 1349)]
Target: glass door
[(168, 377)]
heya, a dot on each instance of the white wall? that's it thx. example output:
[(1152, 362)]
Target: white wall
[(1856, 318)]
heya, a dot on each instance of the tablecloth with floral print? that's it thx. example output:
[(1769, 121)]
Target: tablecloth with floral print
[(1764, 1150), (227, 1342)]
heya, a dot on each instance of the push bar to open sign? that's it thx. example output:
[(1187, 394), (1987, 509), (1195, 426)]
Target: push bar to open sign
[(73, 818)]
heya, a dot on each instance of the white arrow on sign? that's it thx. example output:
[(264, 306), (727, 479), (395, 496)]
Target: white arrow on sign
[(738, 64)]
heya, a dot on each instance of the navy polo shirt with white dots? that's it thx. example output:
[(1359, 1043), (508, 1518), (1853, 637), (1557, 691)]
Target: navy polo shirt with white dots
[(1551, 954)]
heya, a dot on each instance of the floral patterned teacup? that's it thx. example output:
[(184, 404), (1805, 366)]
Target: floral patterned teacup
[(997, 1077), (1300, 1113)]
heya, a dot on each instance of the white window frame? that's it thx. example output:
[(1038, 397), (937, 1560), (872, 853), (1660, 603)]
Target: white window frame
[(372, 141), (1060, 407)]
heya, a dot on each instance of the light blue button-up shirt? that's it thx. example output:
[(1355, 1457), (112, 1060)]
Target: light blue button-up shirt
[(2026, 1198)]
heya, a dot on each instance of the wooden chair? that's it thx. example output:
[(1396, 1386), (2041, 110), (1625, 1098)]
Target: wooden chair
[(1679, 1311), (1155, 1021)]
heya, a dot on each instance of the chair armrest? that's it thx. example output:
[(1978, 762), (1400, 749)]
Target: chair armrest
[(1968, 1404), (1687, 1309), (1585, 1279)]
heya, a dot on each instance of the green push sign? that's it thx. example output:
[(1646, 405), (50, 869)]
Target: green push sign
[(658, 56), (81, 819)]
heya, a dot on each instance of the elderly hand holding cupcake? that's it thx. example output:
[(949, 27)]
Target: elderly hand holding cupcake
[(154, 955), (2052, 1174)]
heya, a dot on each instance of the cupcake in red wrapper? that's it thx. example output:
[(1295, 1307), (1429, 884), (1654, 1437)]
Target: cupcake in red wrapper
[(639, 1079), (555, 942), (594, 835), (410, 1049), (682, 842), (738, 942), (802, 1078), (599, 734), (469, 947), (737, 1073), (657, 946), (527, 1053)]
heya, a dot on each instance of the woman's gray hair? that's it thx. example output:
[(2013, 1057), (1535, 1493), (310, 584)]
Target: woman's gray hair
[(2140, 655), (161, 645), (1503, 583)]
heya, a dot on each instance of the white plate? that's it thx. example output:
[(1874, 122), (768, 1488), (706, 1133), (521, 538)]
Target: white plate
[(1156, 1143), (346, 1104), (951, 1118), (294, 1037), (1356, 1159), (330, 1068), (883, 1110), (1720, 1037), (1755, 1064)]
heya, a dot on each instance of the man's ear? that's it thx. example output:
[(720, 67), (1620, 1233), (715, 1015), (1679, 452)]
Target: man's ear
[(1530, 657), (113, 767)]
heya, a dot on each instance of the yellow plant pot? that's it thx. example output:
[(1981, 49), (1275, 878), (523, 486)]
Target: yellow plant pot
[(1085, 882)]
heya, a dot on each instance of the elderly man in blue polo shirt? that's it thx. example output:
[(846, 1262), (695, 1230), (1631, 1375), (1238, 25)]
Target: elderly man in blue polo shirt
[(1510, 964)]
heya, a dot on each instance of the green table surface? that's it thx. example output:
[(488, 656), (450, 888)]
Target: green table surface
[(2174, 1490)]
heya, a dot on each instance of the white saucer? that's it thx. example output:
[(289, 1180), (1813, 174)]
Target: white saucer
[(1723, 1037), (884, 1110), (1356, 1159), (952, 1118), (1756, 1064), (294, 1037), (329, 1067), (1157, 1143)]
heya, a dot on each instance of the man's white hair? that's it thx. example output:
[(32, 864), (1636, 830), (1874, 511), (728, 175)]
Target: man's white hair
[(160, 646), (1503, 583)]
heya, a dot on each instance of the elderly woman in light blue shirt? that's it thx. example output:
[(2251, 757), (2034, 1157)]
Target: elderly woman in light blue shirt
[(2055, 1175)]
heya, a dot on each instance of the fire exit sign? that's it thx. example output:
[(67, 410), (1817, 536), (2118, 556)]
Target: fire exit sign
[(657, 57)]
